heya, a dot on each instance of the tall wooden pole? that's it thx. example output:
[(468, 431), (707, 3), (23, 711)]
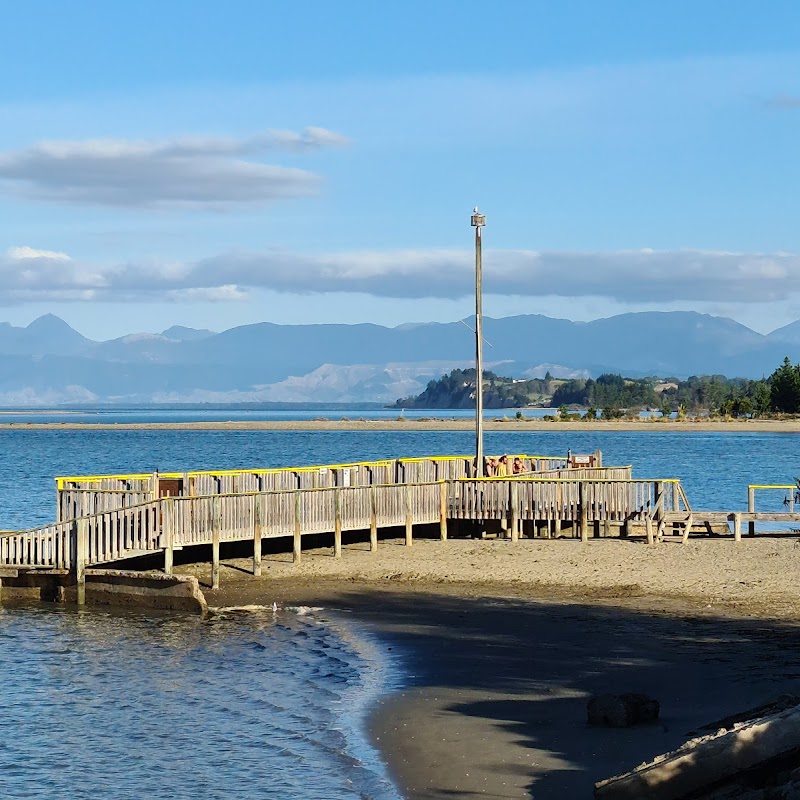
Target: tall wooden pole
[(478, 221)]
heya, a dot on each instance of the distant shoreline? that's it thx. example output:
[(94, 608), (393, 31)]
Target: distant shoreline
[(510, 425)]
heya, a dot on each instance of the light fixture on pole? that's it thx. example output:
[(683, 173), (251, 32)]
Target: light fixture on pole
[(478, 221)]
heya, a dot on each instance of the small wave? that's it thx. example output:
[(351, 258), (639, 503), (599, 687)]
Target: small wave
[(303, 610)]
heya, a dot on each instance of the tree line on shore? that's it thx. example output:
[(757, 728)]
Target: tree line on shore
[(611, 395)]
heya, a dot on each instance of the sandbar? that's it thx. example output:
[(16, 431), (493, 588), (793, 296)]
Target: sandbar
[(504, 642), (427, 424)]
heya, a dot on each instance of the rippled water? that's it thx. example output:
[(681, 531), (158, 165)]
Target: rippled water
[(245, 704)]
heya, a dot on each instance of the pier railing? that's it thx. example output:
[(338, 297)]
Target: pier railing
[(168, 522), (82, 495)]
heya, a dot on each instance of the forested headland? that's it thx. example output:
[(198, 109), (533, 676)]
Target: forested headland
[(611, 395)]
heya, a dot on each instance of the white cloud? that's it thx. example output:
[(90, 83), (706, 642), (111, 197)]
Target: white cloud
[(193, 172), (21, 253), (631, 277)]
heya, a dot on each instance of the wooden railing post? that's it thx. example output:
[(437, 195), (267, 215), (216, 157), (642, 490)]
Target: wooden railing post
[(216, 526), (297, 549), (337, 523), (373, 521), (514, 516), (737, 527), (443, 511), (167, 532), (257, 535), (751, 507), (409, 518), (660, 503), (583, 500), (81, 557)]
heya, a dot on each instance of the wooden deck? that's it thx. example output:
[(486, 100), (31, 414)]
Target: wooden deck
[(116, 518)]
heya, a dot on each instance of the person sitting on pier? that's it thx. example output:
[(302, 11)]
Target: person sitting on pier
[(490, 467), (518, 467), (502, 467)]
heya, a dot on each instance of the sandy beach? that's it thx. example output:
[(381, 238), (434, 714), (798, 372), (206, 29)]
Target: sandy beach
[(426, 424), (503, 644)]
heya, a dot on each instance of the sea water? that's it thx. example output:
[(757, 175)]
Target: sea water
[(715, 467), (253, 702), (246, 703)]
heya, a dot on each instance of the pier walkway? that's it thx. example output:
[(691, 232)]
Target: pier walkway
[(105, 520)]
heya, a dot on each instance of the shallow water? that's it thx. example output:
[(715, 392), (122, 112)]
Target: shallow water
[(245, 704)]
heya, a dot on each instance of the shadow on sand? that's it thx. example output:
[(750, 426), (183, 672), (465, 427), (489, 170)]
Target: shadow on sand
[(496, 701)]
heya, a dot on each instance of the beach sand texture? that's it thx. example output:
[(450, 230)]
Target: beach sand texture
[(504, 643)]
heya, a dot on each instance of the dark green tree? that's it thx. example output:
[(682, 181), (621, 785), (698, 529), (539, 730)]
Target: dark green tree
[(784, 388)]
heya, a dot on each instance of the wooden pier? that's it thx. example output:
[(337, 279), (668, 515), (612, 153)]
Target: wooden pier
[(104, 520)]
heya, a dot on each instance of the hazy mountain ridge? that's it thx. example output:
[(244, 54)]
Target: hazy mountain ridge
[(49, 362)]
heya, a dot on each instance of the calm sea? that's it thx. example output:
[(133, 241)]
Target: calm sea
[(258, 703)]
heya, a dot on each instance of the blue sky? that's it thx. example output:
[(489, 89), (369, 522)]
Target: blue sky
[(214, 164)]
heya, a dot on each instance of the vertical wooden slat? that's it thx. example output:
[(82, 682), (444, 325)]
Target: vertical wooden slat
[(297, 545), (373, 521), (168, 510), (409, 518), (443, 511), (257, 534), (337, 523)]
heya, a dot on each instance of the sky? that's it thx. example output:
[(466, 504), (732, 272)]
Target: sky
[(216, 164)]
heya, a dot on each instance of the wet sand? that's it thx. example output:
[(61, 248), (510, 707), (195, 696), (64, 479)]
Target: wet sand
[(425, 424), (504, 643)]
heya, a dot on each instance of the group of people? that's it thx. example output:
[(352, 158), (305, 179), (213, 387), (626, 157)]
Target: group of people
[(499, 467)]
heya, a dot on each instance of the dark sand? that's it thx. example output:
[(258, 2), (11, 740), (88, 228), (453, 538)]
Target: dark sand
[(495, 705)]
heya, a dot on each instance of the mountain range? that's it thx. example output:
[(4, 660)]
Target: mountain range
[(48, 362)]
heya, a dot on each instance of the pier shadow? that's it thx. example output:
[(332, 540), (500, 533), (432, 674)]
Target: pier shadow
[(516, 675)]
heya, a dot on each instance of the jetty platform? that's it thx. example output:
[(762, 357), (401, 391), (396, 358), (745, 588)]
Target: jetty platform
[(104, 521)]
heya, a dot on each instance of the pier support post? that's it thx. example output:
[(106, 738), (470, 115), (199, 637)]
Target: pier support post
[(168, 528), (257, 534), (648, 525), (337, 524), (583, 499), (81, 557), (514, 516), (443, 511), (297, 548), (373, 522), (737, 527), (751, 507), (215, 533), (409, 517), (676, 502)]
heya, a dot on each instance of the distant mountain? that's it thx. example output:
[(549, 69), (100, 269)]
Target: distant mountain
[(50, 362), (186, 334), (47, 335), (790, 334)]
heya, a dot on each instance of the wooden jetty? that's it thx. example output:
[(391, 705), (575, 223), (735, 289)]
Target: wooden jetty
[(107, 519)]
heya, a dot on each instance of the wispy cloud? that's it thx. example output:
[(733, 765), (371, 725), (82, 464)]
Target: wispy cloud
[(635, 276), (194, 172)]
